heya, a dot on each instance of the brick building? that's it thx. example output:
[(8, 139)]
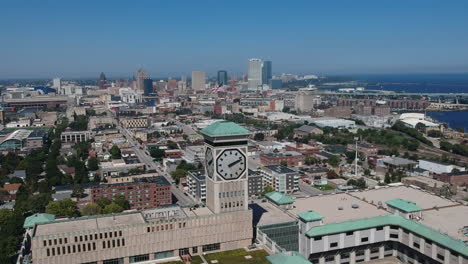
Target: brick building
[(302, 148), (454, 178), (142, 193), (292, 158)]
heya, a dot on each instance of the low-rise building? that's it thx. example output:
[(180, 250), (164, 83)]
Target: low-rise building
[(194, 154), (435, 167), (365, 148), (10, 192), (455, 178), (142, 193), (135, 122), (75, 136), (291, 158), (255, 182), (304, 149), (306, 130), (118, 166)]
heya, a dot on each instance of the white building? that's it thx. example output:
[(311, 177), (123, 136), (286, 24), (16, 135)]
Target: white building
[(335, 123), (198, 81), (438, 168), (255, 75), (130, 96), (57, 83)]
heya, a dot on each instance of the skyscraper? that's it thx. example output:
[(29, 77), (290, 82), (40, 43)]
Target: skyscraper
[(102, 80), (266, 72), (255, 74), (57, 83), (140, 78), (198, 81), (148, 86), (222, 78)]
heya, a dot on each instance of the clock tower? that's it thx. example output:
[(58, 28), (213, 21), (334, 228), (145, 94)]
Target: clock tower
[(226, 167)]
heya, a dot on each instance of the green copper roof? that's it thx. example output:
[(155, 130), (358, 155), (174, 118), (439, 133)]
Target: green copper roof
[(403, 205), (279, 198), (281, 258), (34, 219), (366, 223), (309, 216), (224, 128)]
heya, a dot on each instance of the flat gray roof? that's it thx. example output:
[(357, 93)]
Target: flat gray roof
[(421, 198), (450, 220)]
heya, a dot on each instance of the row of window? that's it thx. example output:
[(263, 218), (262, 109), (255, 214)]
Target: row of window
[(70, 249), (113, 243), (231, 194), (232, 204)]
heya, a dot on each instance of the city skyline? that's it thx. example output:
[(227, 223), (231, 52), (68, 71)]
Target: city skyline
[(363, 37)]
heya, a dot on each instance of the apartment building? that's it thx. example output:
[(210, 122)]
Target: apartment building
[(142, 193), (281, 178)]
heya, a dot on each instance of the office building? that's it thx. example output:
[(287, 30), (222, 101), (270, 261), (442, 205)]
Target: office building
[(142, 193), (222, 78), (148, 86), (255, 75), (57, 84), (266, 72), (198, 81), (102, 81), (140, 79)]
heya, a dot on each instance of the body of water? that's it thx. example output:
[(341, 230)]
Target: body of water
[(416, 83), (453, 119)]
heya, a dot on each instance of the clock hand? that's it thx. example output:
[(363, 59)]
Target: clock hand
[(234, 163), (210, 162)]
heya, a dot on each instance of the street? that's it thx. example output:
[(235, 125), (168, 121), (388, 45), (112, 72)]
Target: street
[(183, 200)]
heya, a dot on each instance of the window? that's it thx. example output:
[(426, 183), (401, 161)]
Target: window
[(113, 261), (428, 243), (48, 252), (394, 236), (394, 227), (360, 253), (364, 239), (439, 256), (164, 254), (416, 245), (211, 247), (139, 258), (330, 258), (334, 244), (379, 228), (374, 250), (194, 250), (345, 255), (317, 238), (350, 233)]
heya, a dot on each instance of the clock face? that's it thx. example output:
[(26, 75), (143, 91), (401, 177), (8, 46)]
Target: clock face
[(231, 164), (209, 162)]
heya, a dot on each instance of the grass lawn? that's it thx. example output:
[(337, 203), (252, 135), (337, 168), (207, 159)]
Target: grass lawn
[(197, 260), (324, 187), (237, 257)]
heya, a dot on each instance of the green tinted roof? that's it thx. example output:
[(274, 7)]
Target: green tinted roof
[(281, 258), (403, 205), (34, 219), (309, 216), (224, 128), (366, 223), (279, 198)]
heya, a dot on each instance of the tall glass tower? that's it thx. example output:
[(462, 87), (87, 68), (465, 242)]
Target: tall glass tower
[(222, 78), (266, 72)]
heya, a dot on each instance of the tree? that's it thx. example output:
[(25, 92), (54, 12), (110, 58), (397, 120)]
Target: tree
[(112, 208), (367, 172), (65, 207), (333, 161), (259, 137), (331, 174), (420, 126), (78, 191), (178, 174), (286, 109), (115, 152), (460, 129), (91, 209), (387, 179), (268, 188), (284, 163), (103, 202), (309, 160), (93, 164), (121, 201), (157, 153)]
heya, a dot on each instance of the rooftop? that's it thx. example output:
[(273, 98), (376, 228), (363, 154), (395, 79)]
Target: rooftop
[(309, 216), (279, 198), (282, 258), (34, 219), (403, 205), (266, 213), (456, 227), (423, 199), (279, 169), (336, 207), (224, 128)]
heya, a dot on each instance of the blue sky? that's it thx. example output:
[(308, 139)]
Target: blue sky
[(168, 38)]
